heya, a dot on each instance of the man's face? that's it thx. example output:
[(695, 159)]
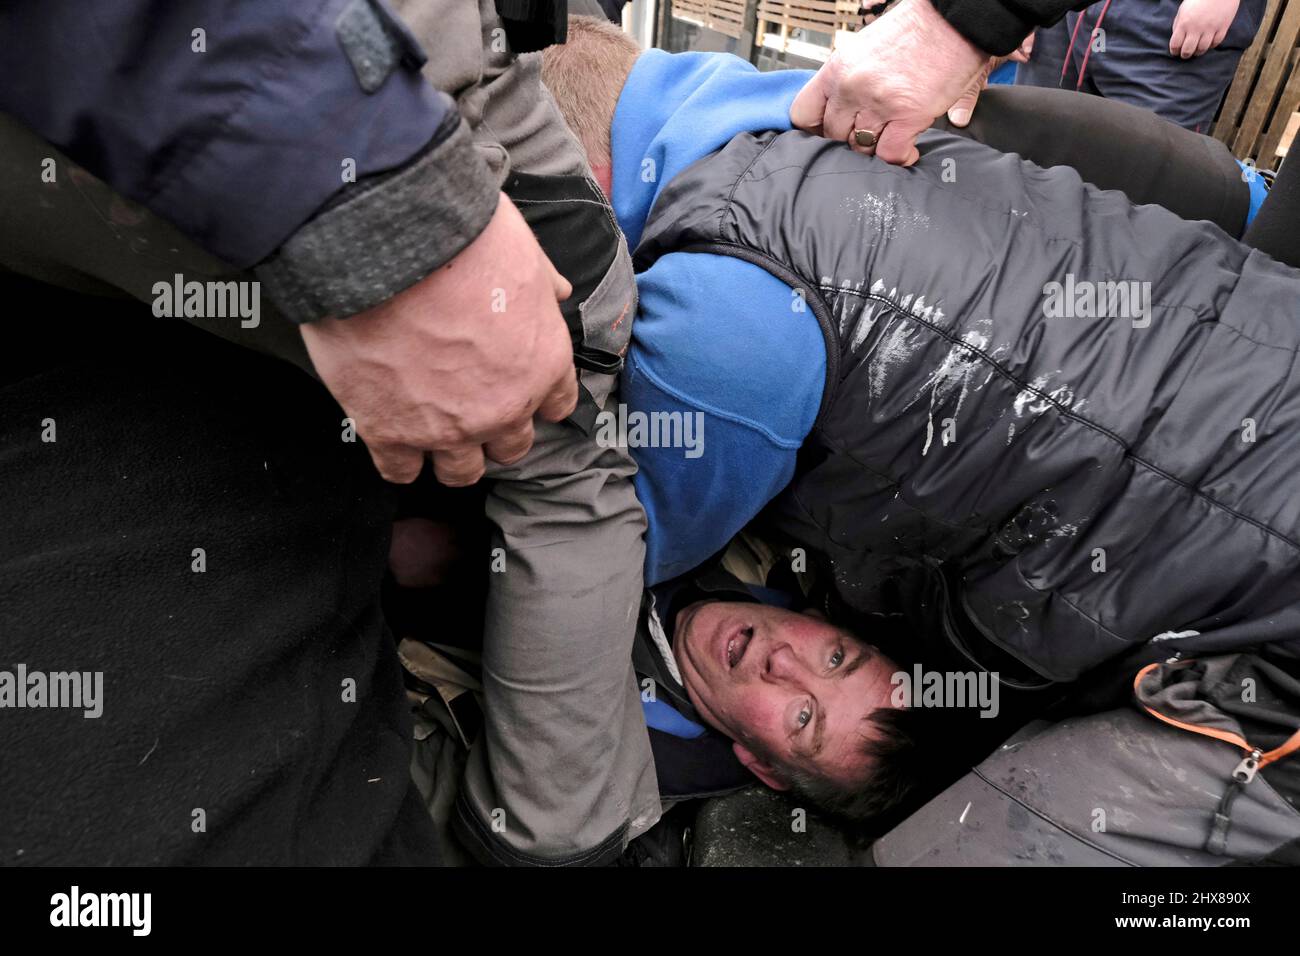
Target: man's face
[(790, 689)]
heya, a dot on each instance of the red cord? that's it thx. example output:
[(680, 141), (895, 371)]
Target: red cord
[(1092, 36), (1069, 54)]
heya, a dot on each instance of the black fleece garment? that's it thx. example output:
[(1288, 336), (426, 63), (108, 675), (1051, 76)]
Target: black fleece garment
[(998, 26), (252, 711)]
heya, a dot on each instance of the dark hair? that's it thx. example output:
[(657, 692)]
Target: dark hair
[(901, 750)]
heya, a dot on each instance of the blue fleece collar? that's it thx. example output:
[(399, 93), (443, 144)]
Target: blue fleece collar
[(676, 108)]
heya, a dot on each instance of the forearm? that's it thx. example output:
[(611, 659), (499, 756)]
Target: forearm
[(384, 234), (565, 753), (262, 134)]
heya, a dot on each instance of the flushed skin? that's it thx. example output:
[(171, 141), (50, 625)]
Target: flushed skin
[(790, 689)]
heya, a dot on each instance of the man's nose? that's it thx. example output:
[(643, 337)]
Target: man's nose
[(783, 664)]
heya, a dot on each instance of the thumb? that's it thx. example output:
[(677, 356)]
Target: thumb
[(563, 289), (809, 106), (959, 113)]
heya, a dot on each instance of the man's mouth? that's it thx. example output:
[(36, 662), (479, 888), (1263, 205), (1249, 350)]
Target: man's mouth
[(737, 644)]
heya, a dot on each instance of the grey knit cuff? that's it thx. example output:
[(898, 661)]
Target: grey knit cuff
[(383, 234)]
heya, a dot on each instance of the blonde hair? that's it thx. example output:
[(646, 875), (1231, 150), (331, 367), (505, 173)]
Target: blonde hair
[(586, 74)]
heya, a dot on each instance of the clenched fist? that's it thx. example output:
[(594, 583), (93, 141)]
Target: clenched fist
[(892, 78), (457, 364)]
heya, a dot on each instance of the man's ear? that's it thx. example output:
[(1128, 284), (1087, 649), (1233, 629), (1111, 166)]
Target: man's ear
[(760, 768)]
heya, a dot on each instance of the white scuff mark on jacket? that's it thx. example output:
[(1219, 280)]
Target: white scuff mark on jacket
[(1036, 399), (952, 379), (847, 300), (893, 348), (866, 321), (885, 216), (1031, 399)]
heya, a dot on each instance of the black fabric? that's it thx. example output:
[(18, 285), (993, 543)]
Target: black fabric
[(575, 226), (1268, 715), (998, 26), (224, 690), (613, 9), (533, 25), (1115, 146), (1276, 229), (703, 766), (1070, 432)]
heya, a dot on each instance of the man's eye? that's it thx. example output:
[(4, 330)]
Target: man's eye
[(837, 658), (805, 715)]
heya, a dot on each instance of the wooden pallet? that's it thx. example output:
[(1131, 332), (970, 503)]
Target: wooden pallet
[(725, 16), (1265, 92), (820, 16)]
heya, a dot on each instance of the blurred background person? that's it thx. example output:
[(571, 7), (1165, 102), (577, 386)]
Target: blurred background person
[(1173, 58)]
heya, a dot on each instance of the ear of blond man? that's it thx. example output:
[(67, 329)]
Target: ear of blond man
[(586, 74)]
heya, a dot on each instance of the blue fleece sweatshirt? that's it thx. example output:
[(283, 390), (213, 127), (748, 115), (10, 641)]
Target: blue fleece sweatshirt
[(716, 339)]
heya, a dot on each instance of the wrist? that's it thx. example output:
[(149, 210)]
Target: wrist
[(384, 234), (930, 36)]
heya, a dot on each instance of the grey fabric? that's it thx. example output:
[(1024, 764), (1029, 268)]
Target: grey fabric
[(760, 827), (565, 755), (1113, 789), (587, 8), (1069, 433), (437, 765), (977, 822), (383, 235), (79, 233), (499, 95), (371, 51)]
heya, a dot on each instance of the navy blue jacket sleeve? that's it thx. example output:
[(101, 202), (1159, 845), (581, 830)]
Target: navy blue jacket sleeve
[(234, 120)]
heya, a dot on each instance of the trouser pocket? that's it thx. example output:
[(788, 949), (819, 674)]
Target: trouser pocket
[(577, 230)]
